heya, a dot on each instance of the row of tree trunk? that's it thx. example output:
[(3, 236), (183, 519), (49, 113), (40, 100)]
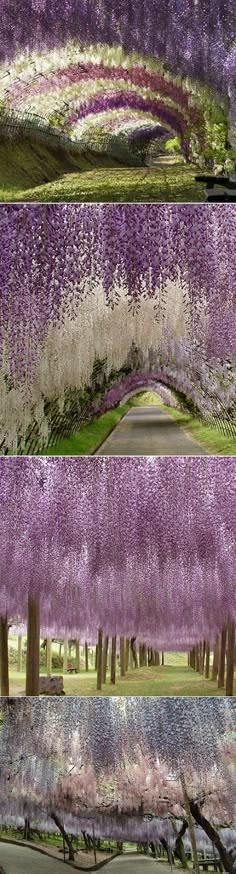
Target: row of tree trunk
[(199, 658), (106, 655), (32, 652), (224, 658)]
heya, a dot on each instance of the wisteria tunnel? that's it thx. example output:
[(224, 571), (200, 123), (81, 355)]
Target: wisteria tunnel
[(142, 770), (135, 556), (121, 79), (99, 300)]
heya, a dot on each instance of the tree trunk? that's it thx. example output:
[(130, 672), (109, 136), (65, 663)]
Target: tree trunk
[(4, 656), (26, 833), (230, 659), (221, 676), (19, 653), (134, 651), (190, 824), (203, 655), (197, 658), (99, 660), (33, 646), (65, 656), (64, 834), (104, 659), (127, 646), (214, 837), (77, 655), (122, 656), (179, 850), (113, 660), (163, 658), (215, 665), (49, 656), (207, 666), (86, 656)]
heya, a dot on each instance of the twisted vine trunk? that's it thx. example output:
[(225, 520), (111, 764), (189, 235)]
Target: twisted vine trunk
[(211, 832), (179, 850), (64, 834)]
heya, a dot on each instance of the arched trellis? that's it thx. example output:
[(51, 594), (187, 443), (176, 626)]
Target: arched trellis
[(118, 766), (178, 90), (134, 289), (143, 549)]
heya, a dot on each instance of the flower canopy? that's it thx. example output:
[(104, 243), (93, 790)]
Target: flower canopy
[(118, 763), (139, 547), (117, 66), (91, 295)]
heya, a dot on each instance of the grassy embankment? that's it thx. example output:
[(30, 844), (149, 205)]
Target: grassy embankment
[(33, 171), (85, 441)]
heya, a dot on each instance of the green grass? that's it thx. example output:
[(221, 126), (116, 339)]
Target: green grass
[(166, 680), (31, 170), (210, 438), (85, 441)]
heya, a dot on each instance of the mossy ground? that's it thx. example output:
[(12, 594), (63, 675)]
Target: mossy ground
[(33, 171)]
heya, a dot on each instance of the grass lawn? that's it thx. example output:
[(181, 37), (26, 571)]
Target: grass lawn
[(34, 171), (212, 439), (85, 441), (174, 678)]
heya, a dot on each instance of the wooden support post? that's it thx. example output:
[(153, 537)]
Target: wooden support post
[(190, 825), (144, 655), (33, 646), (215, 665), (197, 658), (230, 658), (207, 666), (19, 653), (203, 656), (4, 666), (49, 656), (104, 659), (140, 655), (65, 655), (77, 655), (221, 675), (86, 656), (113, 660), (99, 660), (122, 656), (134, 652), (127, 653)]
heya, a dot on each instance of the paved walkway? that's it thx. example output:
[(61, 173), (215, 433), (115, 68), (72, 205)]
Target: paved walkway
[(128, 864), (21, 860), (149, 431)]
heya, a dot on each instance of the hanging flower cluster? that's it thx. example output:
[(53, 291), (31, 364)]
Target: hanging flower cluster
[(119, 766), (83, 284), (188, 40), (77, 68), (142, 547)]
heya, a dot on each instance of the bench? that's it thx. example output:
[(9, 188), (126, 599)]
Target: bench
[(204, 863), (51, 686)]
